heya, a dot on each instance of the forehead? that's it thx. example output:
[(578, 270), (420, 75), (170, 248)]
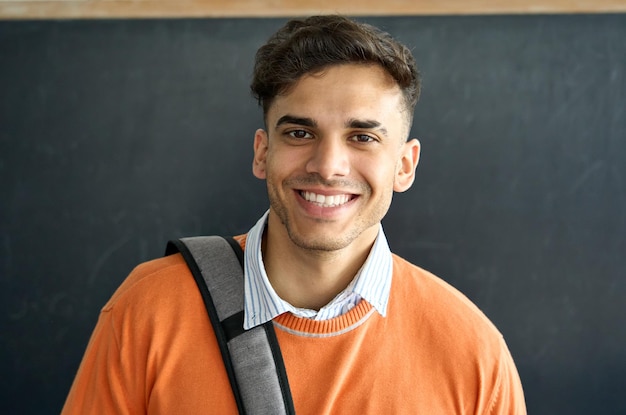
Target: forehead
[(339, 92)]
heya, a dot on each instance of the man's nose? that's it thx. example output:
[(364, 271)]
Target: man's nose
[(329, 158)]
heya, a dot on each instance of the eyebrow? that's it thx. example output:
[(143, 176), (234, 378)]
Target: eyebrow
[(290, 119), (352, 123), (366, 125)]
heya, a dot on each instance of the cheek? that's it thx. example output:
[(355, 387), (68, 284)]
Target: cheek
[(281, 162), (277, 170), (380, 171), (380, 182)]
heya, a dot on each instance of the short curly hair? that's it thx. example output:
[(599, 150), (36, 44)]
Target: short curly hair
[(312, 44)]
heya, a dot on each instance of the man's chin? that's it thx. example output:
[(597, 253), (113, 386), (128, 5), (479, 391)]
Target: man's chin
[(318, 243)]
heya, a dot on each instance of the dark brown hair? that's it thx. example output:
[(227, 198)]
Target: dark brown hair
[(305, 46)]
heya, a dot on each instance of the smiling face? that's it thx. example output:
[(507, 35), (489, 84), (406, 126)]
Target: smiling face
[(334, 152)]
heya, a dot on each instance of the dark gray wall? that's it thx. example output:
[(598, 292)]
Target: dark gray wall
[(116, 136)]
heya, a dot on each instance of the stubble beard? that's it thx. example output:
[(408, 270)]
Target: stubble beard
[(325, 244)]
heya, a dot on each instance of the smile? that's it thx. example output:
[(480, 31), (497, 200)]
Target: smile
[(326, 201)]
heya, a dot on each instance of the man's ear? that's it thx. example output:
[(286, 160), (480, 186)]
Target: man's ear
[(407, 164), (260, 154)]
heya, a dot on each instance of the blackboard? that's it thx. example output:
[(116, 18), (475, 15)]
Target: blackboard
[(116, 136)]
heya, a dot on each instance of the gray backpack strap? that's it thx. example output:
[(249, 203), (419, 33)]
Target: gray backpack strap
[(252, 357)]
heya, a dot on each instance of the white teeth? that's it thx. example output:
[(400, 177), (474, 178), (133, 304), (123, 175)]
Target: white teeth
[(325, 201)]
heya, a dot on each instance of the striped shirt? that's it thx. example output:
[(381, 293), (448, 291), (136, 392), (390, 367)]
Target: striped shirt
[(372, 284)]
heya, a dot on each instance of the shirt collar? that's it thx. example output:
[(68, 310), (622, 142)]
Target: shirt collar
[(261, 303)]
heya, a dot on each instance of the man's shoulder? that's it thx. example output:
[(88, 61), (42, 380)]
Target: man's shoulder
[(161, 279), (457, 336), (444, 304), (153, 278)]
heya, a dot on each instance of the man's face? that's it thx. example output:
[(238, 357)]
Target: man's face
[(334, 152)]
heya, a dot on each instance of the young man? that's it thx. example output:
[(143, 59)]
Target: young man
[(361, 330)]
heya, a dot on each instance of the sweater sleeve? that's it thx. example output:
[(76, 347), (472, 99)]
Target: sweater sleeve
[(103, 383), (508, 396)]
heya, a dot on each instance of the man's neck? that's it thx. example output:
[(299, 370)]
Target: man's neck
[(308, 278)]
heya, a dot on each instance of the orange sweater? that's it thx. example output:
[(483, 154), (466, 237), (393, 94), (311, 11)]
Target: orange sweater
[(153, 351)]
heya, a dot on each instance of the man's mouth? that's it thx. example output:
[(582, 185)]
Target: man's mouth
[(326, 201)]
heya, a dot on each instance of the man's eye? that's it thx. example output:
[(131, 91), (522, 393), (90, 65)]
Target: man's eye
[(363, 138), (299, 134)]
